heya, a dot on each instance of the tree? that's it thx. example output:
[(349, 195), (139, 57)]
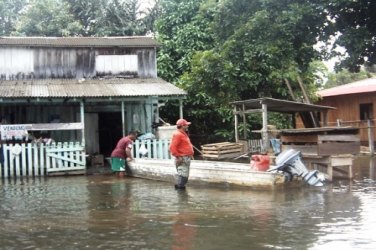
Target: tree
[(86, 18), (152, 14), (89, 13), (182, 28), (257, 44), (121, 18), (47, 18), (114, 17), (9, 14), (355, 24), (345, 76)]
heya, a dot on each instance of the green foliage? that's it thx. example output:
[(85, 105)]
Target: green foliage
[(345, 76), (9, 14), (90, 13), (121, 18), (252, 47), (113, 17), (76, 17), (354, 21), (47, 18), (183, 28)]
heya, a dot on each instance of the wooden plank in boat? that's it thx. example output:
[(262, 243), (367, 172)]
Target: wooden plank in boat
[(222, 150)]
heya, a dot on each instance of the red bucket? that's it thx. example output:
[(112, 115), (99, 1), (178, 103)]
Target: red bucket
[(260, 162)]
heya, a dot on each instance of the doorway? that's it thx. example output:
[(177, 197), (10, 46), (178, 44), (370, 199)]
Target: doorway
[(110, 131)]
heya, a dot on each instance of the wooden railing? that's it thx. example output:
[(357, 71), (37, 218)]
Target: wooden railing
[(32, 159)]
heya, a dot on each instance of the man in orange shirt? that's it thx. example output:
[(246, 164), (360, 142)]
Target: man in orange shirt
[(182, 148)]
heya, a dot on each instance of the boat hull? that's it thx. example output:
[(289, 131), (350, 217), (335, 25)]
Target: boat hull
[(211, 172)]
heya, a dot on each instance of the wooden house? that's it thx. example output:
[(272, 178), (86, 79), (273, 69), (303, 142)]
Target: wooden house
[(90, 90), (355, 106)]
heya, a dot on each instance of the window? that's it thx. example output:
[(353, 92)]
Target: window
[(116, 64), (366, 111)]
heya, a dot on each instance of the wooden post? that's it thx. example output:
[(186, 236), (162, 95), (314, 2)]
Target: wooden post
[(82, 113), (306, 98), (372, 167), (236, 125), (303, 90), (325, 118), (370, 137), (338, 122), (330, 171), (123, 118), (180, 108), (290, 89), (264, 132), (244, 124)]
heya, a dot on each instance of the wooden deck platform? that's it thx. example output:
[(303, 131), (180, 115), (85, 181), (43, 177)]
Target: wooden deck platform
[(328, 149), (335, 166)]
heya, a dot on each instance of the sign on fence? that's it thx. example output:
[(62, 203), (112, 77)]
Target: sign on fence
[(18, 132)]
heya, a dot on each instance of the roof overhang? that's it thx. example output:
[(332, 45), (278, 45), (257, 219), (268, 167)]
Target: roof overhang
[(88, 90), (276, 105), (74, 42)]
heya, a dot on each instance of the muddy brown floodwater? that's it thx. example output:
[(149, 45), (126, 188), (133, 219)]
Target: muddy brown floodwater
[(105, 212)]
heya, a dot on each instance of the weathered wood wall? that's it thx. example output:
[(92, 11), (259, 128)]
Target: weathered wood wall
[(45, 63), (348, 111)]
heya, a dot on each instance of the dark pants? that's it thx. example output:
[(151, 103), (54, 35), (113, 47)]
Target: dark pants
[(1, 155)]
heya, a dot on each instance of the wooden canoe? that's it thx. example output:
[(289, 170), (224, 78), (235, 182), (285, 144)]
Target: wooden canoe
[(211, 172)]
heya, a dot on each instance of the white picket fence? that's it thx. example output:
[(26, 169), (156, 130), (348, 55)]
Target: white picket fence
[(31, 159), (156, 149)]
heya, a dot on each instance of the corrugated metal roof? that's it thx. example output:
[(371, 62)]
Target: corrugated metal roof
[(277, 105), (124, 41), (363, 86), (89, 88)]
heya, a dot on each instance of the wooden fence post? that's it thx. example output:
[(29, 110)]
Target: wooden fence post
[(370, 137)]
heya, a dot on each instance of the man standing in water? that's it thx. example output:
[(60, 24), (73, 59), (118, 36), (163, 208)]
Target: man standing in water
[(182, 148), (123, 153)]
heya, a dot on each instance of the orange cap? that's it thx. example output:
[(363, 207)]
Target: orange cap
[(182, 122)]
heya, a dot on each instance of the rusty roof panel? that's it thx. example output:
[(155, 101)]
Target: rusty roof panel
[(123, 41), (362, 86), (93, 88)]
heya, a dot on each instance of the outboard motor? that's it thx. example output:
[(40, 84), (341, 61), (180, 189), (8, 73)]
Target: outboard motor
[(290, 162)]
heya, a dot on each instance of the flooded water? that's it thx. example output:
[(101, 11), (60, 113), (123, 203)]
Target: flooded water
[(105, 212)]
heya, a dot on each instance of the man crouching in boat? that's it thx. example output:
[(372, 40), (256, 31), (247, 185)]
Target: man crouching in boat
[(182, 148), (122, 153)]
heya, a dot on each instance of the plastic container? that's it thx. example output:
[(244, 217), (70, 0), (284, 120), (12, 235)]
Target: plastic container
[(117, 164), (260, 162), (165, 132)]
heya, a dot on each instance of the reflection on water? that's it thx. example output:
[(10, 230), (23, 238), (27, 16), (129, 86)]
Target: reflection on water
[(104, 212)]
